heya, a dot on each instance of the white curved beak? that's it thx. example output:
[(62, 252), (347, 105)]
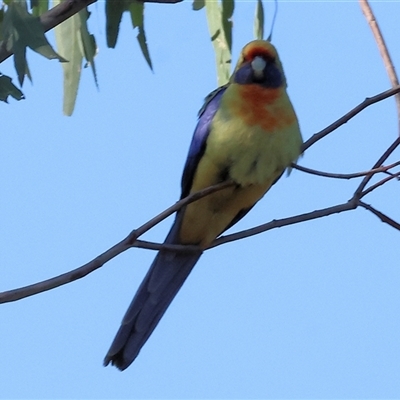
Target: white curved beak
[(258, 65)]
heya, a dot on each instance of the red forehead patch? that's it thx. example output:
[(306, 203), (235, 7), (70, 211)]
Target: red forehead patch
[(253, 51)]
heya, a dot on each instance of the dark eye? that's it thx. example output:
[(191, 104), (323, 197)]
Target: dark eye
[(269, 58)]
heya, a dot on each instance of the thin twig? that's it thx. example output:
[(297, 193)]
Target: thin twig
[(345, 176), (356, 110), (384, 218), (123, 245), (380, 41), (145, 244), (350, 205), (70, 276), (276, 223), (177, 206), (380, 161), (378, 184)]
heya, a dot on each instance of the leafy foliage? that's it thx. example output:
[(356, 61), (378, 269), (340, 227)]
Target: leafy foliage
[(136, 9), (7, 88), (20, 29), (39, 7), (114, 12), (75, 43)]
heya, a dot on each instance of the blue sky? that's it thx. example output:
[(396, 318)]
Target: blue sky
[(306, 311)]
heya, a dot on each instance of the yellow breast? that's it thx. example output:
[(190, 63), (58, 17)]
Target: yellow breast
[(254, 136)]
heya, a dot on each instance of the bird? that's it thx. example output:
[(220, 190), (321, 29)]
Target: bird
[(248, 134)]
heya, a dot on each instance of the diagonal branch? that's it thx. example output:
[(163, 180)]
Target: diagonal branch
[(128, 242), (123, 245), (352, 113), (131, 240), (384, 218)]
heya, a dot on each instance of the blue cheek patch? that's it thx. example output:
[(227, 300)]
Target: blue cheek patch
[(244, 75), (272, 76)]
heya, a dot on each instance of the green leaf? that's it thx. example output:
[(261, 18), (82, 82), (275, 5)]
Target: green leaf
[(39, 7), (136, 9), (259, 21), (88, 42), (137, 13), (30, 30), (198, 4), (20, 63), (228, 7), (75, 42), (141, 37), (69, 43), (219, 40), (114, 11), (7, 88), (21, 30)]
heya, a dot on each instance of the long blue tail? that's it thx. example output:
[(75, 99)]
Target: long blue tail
[(162, 282)]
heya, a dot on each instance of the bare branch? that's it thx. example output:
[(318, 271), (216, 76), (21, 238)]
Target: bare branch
[(26, 291), (184, 248), (350, 205), (341, 121), (131, 239), (380, 161), (384, 218), (345, 176), (380, 41), (125, 244), (177, 206), (276, 223), (378, 184)]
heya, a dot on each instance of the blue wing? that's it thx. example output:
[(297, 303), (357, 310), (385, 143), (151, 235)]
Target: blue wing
[(169, 269), (198, 144)]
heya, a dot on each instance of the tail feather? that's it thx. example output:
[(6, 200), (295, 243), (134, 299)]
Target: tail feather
[(162, 282)]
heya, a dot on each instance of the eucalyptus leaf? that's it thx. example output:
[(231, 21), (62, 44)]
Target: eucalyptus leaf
[(20, 30), (227, 12), (259, 21), (219, 41), (88, 42), (136, 9), (39, 7), (114, 11), (7, 88), (20, 63), (28, 31), (69, 43)]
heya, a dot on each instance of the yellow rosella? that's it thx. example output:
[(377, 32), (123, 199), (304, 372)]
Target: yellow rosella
[(247, 133)]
